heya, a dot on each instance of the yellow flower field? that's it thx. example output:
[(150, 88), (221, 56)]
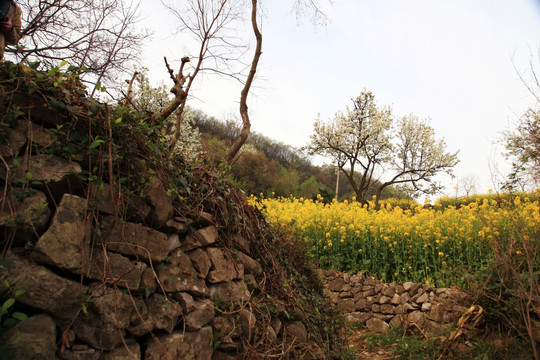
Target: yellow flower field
[(435, 245)]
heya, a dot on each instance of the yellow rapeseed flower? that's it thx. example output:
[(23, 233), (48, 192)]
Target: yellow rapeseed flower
[(389, 236)]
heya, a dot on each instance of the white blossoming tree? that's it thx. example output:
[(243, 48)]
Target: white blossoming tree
[(523, 143), (375, 151), (523, 148)]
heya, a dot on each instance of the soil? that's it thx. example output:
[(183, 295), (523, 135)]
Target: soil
[(357, 341)]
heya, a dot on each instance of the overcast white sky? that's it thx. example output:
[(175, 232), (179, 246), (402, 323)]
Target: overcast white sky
[(450, 61)]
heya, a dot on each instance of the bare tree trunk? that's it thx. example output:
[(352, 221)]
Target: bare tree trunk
[(128, 97), (245, 91), (180, 94)]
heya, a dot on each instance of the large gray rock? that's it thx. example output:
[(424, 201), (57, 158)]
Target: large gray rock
[(182, 345), (422, 298), (200, 238), (247, 322), (162, 208), (165, 314), (125, 204), (66, 239), (177, 225), (26, 132), (56, 175), (186, 301), (223, 267), (336, 284), (45, 290), (251, 266), (180, 275), (202, 315), (34, 338), (39, 136), (115, 269), (158, 313), (190, 243), (174, 241), (388, 309), (359, 317), (207, 235), (377, 325), (416, 317), (396, 322), (230, 293), (347, 305), (26, 212), (389, 290), (107, 314), (134, 239), (396, 300), (426, 306), (361, 304), (200, 261)]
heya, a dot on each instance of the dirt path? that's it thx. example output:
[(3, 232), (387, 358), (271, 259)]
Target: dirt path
[(363, 350)]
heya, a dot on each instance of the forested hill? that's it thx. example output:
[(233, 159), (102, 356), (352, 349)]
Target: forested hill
[(268, 167)]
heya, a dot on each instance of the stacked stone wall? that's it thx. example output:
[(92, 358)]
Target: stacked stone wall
[(110, 274), (379, 306)]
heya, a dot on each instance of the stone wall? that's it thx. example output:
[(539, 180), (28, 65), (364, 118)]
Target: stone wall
[(150, 290), (379, 305), (119, 275)]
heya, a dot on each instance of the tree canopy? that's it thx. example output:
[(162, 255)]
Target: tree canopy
[(374, 150)]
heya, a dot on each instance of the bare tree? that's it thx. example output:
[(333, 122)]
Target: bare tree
[(212, 24), (233, 126), (209, 22), (468, 184), (245, 91), (300, 6), (318, 15), (100, 37)]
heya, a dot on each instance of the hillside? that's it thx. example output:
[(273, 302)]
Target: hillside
[(266, 166), (112, 248)]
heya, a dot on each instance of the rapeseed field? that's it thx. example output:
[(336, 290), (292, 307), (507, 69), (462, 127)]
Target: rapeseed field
[(436, 244)]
